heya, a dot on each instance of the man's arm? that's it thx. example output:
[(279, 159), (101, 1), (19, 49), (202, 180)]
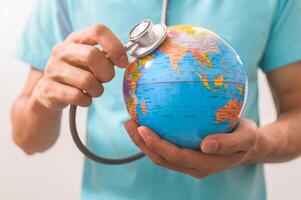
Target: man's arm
[(277, 142), (35, 127), (282, 139), (75, 65)]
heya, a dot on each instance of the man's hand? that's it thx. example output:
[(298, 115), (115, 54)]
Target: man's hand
[(218, 152), (76, 65), (276, 142), (73, 75)]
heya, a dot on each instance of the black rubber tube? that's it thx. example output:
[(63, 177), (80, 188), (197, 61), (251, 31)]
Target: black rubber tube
[(87, 152)]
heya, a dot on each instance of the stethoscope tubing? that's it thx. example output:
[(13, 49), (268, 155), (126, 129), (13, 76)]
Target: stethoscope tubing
[(90, 154)]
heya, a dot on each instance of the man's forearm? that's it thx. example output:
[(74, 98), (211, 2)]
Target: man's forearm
[(35, 128), (281, 140)]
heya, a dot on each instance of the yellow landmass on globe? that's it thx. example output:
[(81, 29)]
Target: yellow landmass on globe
[(240, 88), (184, 28), (229, 112), (218, 81), (143, 61), (191, 30), (205, 81), (143, 107)]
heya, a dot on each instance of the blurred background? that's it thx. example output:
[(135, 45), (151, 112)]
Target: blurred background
[(56, 174)]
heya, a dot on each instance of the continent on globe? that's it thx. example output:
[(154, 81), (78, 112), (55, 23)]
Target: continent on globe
[(229, 112), (193, 85)]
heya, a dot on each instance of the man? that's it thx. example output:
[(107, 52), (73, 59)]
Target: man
[(59, 44)]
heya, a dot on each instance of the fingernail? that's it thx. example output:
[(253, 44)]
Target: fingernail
[(123, 61), (143, 134), (211, 146)]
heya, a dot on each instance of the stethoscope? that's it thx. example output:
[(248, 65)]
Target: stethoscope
[(144, 38)]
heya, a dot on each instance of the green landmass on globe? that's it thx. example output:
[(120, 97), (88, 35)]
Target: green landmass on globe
[(193, 85)]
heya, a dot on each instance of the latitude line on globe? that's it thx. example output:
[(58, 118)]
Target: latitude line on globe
[(166, 82)]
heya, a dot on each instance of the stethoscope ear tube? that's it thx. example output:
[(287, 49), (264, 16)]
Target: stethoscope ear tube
[(87, 152)]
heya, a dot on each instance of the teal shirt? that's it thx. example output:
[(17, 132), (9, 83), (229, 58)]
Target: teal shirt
[(266, 34)]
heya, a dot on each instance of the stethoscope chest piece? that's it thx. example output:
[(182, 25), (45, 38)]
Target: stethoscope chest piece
[(145, 37)]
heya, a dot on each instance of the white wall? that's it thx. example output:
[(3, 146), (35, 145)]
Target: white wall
[(56, 174)]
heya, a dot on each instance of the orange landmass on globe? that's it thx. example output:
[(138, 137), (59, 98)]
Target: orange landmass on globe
[(174, 52), (133, 70), (201, 57), (131, 67), (229, 112), (218, 81), (240, 88), (143, 107)]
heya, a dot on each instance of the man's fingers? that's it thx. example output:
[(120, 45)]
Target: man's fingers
[(76, 77), (243, 138), (100, 35), (157, 159), (55, 95), (131, 128), (179, 156), (87, 56)]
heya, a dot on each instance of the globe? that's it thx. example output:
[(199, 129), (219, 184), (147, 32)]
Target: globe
[(193, 85)]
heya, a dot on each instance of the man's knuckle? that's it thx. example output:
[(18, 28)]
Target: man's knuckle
[(250, 124), (76, 95), (57, 49), (86, 80), (46, 87), (92, 53), (99, 29), (254, 131), (52, 70), (231, 144), (72, 35)]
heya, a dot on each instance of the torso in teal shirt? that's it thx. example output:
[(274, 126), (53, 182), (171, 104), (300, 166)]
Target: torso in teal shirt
[(247, 25)]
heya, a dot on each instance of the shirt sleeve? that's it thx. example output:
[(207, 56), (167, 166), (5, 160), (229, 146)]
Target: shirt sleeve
[(284, 44), (47, 25)]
